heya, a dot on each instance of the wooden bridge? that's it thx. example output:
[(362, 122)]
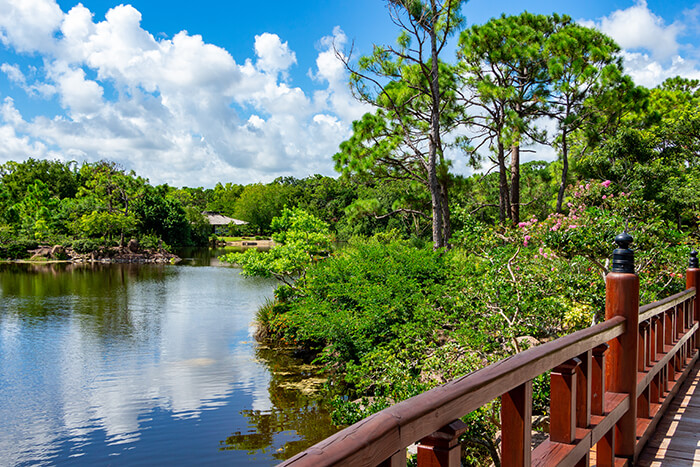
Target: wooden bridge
[(611, 385)]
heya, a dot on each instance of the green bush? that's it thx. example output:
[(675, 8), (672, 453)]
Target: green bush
[(17, 249), (86, 245)]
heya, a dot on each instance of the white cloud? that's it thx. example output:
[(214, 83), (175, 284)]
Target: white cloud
[(28, 25), (637, 27), (273, 55), (647, 72), (175, 109), (651, 47)]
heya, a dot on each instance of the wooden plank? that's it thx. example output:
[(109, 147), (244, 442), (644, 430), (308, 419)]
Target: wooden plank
[(675, 441), (644, 378), (655, 308), (616, 405), (550, 453)]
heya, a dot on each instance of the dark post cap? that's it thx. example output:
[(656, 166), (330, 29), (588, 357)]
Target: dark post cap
[(623, 257), (693, 263)]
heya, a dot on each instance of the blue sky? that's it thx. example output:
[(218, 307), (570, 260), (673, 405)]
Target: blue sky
[(192, 93)]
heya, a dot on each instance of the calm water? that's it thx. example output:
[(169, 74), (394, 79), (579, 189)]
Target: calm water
[(145, 364)]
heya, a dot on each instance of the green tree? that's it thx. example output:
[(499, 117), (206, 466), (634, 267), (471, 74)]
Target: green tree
[(583, 64), (258, 204), (223, 198), (503, 66), (303, 240), (414, 93), (157, 214), (653, 151), (113, 190)]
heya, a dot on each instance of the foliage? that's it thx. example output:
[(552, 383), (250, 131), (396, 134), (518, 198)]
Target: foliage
[(303, 240), (414, 93), (258, 204), (162, 216)]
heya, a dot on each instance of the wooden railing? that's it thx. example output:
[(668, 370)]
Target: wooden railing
[(610, 385)]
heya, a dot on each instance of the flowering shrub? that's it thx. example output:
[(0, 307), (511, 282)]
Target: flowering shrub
[(597, 212)]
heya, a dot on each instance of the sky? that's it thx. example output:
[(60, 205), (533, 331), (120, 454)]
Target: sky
[(195, 93)]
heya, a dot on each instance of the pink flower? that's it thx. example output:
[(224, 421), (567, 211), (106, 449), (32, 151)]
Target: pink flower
[(541, 250), (545, 255), (604, 196), (611, 195), (569, 204), (622, 194), (606, 183), (588, 186), (522, 224)]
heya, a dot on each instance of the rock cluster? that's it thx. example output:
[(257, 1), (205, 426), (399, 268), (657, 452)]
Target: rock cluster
[(131, 253)]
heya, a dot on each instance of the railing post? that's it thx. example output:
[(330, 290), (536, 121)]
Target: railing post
[(692, 279), (598, 380), (442, 448), (516, 426), (622, 299), (562, 402)]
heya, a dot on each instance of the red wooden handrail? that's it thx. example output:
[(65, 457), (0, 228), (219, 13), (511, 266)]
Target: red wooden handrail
[(596, 392)]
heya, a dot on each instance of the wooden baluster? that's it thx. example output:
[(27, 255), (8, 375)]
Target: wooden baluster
[(397, 460), (651, 345), (622, 299), (442, 449), (668, 327), (642, 343), (583, 390), (516, 426), (562, 410), (598, 379), (670, 374), (605, 450), (655, 389), (660, 334), (643, 408)]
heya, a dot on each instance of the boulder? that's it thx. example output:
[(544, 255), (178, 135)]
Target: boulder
[(58, 252), (133, 245)]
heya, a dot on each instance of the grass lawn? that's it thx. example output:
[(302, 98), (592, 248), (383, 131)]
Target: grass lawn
[(238, 239)]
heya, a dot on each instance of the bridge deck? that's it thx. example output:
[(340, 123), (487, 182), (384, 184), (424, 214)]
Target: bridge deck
[(677, 438)]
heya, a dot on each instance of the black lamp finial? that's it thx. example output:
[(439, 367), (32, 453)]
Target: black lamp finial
[(623, 257)]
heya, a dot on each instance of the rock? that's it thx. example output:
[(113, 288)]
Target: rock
[(525, 342), (133, 245), (57, 252)]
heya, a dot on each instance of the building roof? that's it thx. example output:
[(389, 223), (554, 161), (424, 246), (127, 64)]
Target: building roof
[(216, 218)]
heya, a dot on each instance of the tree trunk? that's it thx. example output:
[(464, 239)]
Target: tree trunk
[(503, 196), (446, 227), (515, 182), (564, 170), (438, 219)]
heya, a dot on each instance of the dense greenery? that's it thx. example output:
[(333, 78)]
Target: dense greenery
[(89, 206)]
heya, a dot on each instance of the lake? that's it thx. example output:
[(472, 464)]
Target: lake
[(146, 364)]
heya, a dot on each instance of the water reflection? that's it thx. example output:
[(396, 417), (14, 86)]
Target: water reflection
[(144, 362), (295, 408)]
